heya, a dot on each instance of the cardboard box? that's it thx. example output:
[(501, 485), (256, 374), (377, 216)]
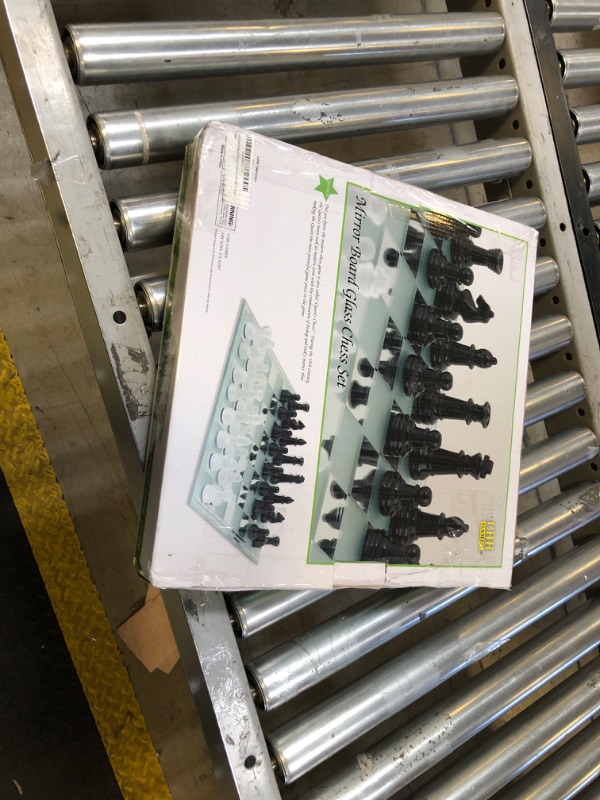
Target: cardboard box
[(312, 427)]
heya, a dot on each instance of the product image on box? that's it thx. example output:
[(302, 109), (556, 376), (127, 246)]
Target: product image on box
[(250, 461), (402, 312)]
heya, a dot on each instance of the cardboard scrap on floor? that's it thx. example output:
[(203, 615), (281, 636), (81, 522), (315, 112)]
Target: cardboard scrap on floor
[(148, 634)]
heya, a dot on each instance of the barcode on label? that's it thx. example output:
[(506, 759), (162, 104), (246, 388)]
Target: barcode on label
[(237, 169)]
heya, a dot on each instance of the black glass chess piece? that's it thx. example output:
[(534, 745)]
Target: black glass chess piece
[(334, 517), (388, 369), (426, 327), (368, 455), (281, 459), (359, 394), (272, 448), (451, 302), (446, 354), (393, 340), (281, 499), (297, 425), (328, 547), (364, 368), (446, 462), (252, 529), (261, 541), (403, 435), (417, 377), (394, 494), (327, 445), (362, 489), (465, 252), (441, 272), (378, 546), (412, 523), (431, 406), (390, 257), (337, 491), (285, 478), (414, 238), (413, 258)]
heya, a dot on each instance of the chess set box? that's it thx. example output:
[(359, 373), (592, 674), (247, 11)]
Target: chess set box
[(341, 379)]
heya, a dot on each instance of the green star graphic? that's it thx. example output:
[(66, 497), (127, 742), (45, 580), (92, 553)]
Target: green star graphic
[(325, 187)]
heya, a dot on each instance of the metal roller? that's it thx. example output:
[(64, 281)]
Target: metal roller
[(523, 741), (546, 275), (252, 612), (579, 67), (427, 739), (151, 294), (591, 179), (145, 221), (318, 733), (526, 210), (551, 395), (148, 51), (573, 15), (145, 136), (295, 666), (449, 167), (576, 766), (549, 333), (556, 455), (149, 220), (586, 124)]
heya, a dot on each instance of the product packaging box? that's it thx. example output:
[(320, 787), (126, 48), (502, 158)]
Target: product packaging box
[(341, 380)]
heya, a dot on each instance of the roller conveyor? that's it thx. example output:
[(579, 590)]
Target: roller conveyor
[(520, 149)]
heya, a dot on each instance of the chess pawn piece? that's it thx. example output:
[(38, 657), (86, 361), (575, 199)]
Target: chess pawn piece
[(394, 494), (426, 327), (441, 272), (445, 354), (445, 462), (465, 252), (412, 523), (451, 302), (359, 394), (417, 377), (431, 406), (403, 436)]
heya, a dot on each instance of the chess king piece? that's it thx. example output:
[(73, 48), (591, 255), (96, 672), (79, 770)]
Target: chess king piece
[(426, 327), (445, 354), (451, 302), (445, 462), (417, 377), (403, 435), (431, 406), (412, 523), (378, 546)]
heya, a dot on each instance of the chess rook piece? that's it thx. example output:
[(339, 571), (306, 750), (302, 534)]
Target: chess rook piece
[(362, 489), (388, 369), (412, 523), (359, 394), (465, 252), (426, 327), (261, 541), (379, 546), (279, 460), (334, 517), (431, 406), (445, 462), (327, 445), (394, 494), (417, 377), (328, 547), (446, 354), (252, 529), (364, 368), (390, 257), (368, 455), (451, 302), (441, 272), (284, 478), (393, 340), (403, 436)]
